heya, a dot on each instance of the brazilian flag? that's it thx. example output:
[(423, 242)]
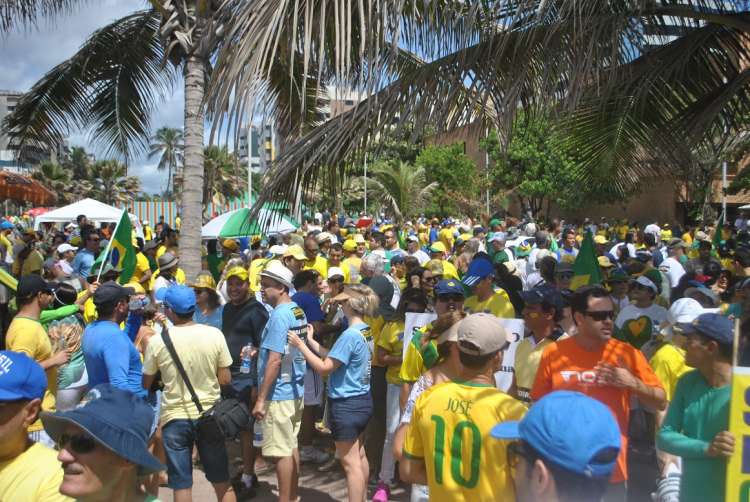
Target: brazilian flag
[(120, 252), (586, 267)]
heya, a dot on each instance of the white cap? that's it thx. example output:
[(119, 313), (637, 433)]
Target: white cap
[(498, 236), (65, 247), (645, 281), (335, 271), (322, 237), (278, 272), (71, 225), (277, 249), (682, 311), (413, 238)]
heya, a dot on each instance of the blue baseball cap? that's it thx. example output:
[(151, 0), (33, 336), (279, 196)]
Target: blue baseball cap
[(544, 293), (21, 378), (589, 447), (714, 326), (479, 268), (5, 225), (449, 287), (179, 298), (117, 419)]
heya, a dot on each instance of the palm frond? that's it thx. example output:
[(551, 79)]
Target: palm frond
[(17, 13), (110, 87)]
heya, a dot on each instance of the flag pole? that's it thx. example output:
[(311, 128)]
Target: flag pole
[(109, 245)]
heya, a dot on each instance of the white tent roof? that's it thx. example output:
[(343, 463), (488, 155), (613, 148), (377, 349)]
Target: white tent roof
[(96, 212)]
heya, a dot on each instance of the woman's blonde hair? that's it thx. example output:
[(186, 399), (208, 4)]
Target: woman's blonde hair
[(363, 301)]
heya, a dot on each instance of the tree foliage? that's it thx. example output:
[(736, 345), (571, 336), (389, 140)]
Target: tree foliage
[(535, 166), (454, 173), (400, 188)]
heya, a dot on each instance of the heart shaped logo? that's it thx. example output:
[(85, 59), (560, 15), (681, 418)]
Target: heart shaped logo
[(637, 331)]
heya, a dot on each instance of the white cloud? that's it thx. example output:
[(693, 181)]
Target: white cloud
[(29, 54)]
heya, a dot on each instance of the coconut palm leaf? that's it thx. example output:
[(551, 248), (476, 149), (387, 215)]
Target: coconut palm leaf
[(400, 187), (109, 87), (485, 56), (15, 13)]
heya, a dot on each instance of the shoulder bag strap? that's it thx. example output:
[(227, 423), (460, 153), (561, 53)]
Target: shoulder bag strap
[(170, 347)]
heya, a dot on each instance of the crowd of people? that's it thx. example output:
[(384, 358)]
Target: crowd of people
[(108, 383)]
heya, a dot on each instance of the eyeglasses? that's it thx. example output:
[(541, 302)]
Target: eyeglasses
[(450, 298), (79, 443), (601, 315)]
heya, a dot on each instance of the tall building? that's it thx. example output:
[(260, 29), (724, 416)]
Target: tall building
[(260, 143), (32, 155), (340, 101)]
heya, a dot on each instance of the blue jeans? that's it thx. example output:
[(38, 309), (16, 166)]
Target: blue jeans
[(179, 437)]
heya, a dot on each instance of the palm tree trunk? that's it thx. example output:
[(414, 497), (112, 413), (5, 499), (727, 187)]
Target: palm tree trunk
[(192, 175)]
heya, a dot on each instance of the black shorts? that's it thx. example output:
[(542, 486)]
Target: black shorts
[(348, 416)]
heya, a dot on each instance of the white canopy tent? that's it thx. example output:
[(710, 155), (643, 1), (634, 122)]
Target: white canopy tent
[(96, 212)]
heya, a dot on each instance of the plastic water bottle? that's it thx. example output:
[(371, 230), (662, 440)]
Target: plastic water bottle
[(245, 359), (257, 434)]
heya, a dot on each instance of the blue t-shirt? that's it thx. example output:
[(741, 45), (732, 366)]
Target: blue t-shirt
[(290, 384), (111, 357), (353, 349), (213, 319), (310, 305), (82, 263)]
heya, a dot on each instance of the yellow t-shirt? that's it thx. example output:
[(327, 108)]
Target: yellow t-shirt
[(687, 238), (320, 264), (528, 355), (450, 431), (351, 266), (28, 336), (160, 251), (33, 476), (33, 263), (392, 340), (449, 270), (669, 365), (203, 350), (622, 231), (148, 233), (414, 363), (446, 237), (376, 326), (498, 305), (141, 267)]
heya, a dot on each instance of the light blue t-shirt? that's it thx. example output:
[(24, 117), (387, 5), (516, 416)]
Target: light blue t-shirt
[(213, 319), (354, 350), (82, 263), (290, 384)]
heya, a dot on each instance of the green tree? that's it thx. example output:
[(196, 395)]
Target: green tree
[(399, 187), (168, 144), (535, 166), (78, 163), (62, 180), (454, 174), (111, 184)]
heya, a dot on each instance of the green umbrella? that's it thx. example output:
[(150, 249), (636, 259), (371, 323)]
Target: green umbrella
[(239, 225)]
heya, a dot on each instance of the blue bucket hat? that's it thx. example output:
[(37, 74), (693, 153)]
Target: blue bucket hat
[(21, 378), (590, 448), (115, 418), (714, 326), (479, 268), (179, 298), (543, 294), (449, 287)]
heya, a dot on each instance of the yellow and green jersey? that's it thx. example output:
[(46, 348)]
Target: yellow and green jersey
[(498, 305), (392, 340), (418, 359), (450, 432)]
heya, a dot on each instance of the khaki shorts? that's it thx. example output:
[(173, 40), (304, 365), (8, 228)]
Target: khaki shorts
[(281, 426)]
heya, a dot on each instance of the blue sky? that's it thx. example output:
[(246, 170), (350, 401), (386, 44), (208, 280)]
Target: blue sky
[(28, 54)]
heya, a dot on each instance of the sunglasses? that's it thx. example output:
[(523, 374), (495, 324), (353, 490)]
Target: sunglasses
[(565, 275), (601, 315), (429, 279), (79, 443)]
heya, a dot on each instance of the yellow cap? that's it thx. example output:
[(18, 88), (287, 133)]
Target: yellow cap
[(435, 266), (137, 287), (437, 247), (237, 271), (600, 239), (604, 262), (230, 244), (75, 241), (295, 252), (359, 239), (205, 280), (350, 245)]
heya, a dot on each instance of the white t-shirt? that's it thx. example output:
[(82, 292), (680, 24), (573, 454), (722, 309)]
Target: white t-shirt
[(673, 269), (641, 318), (631, 249), (421, 256)]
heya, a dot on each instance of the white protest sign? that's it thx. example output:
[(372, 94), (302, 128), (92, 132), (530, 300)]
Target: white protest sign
[(515, 330), (413, 322)]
